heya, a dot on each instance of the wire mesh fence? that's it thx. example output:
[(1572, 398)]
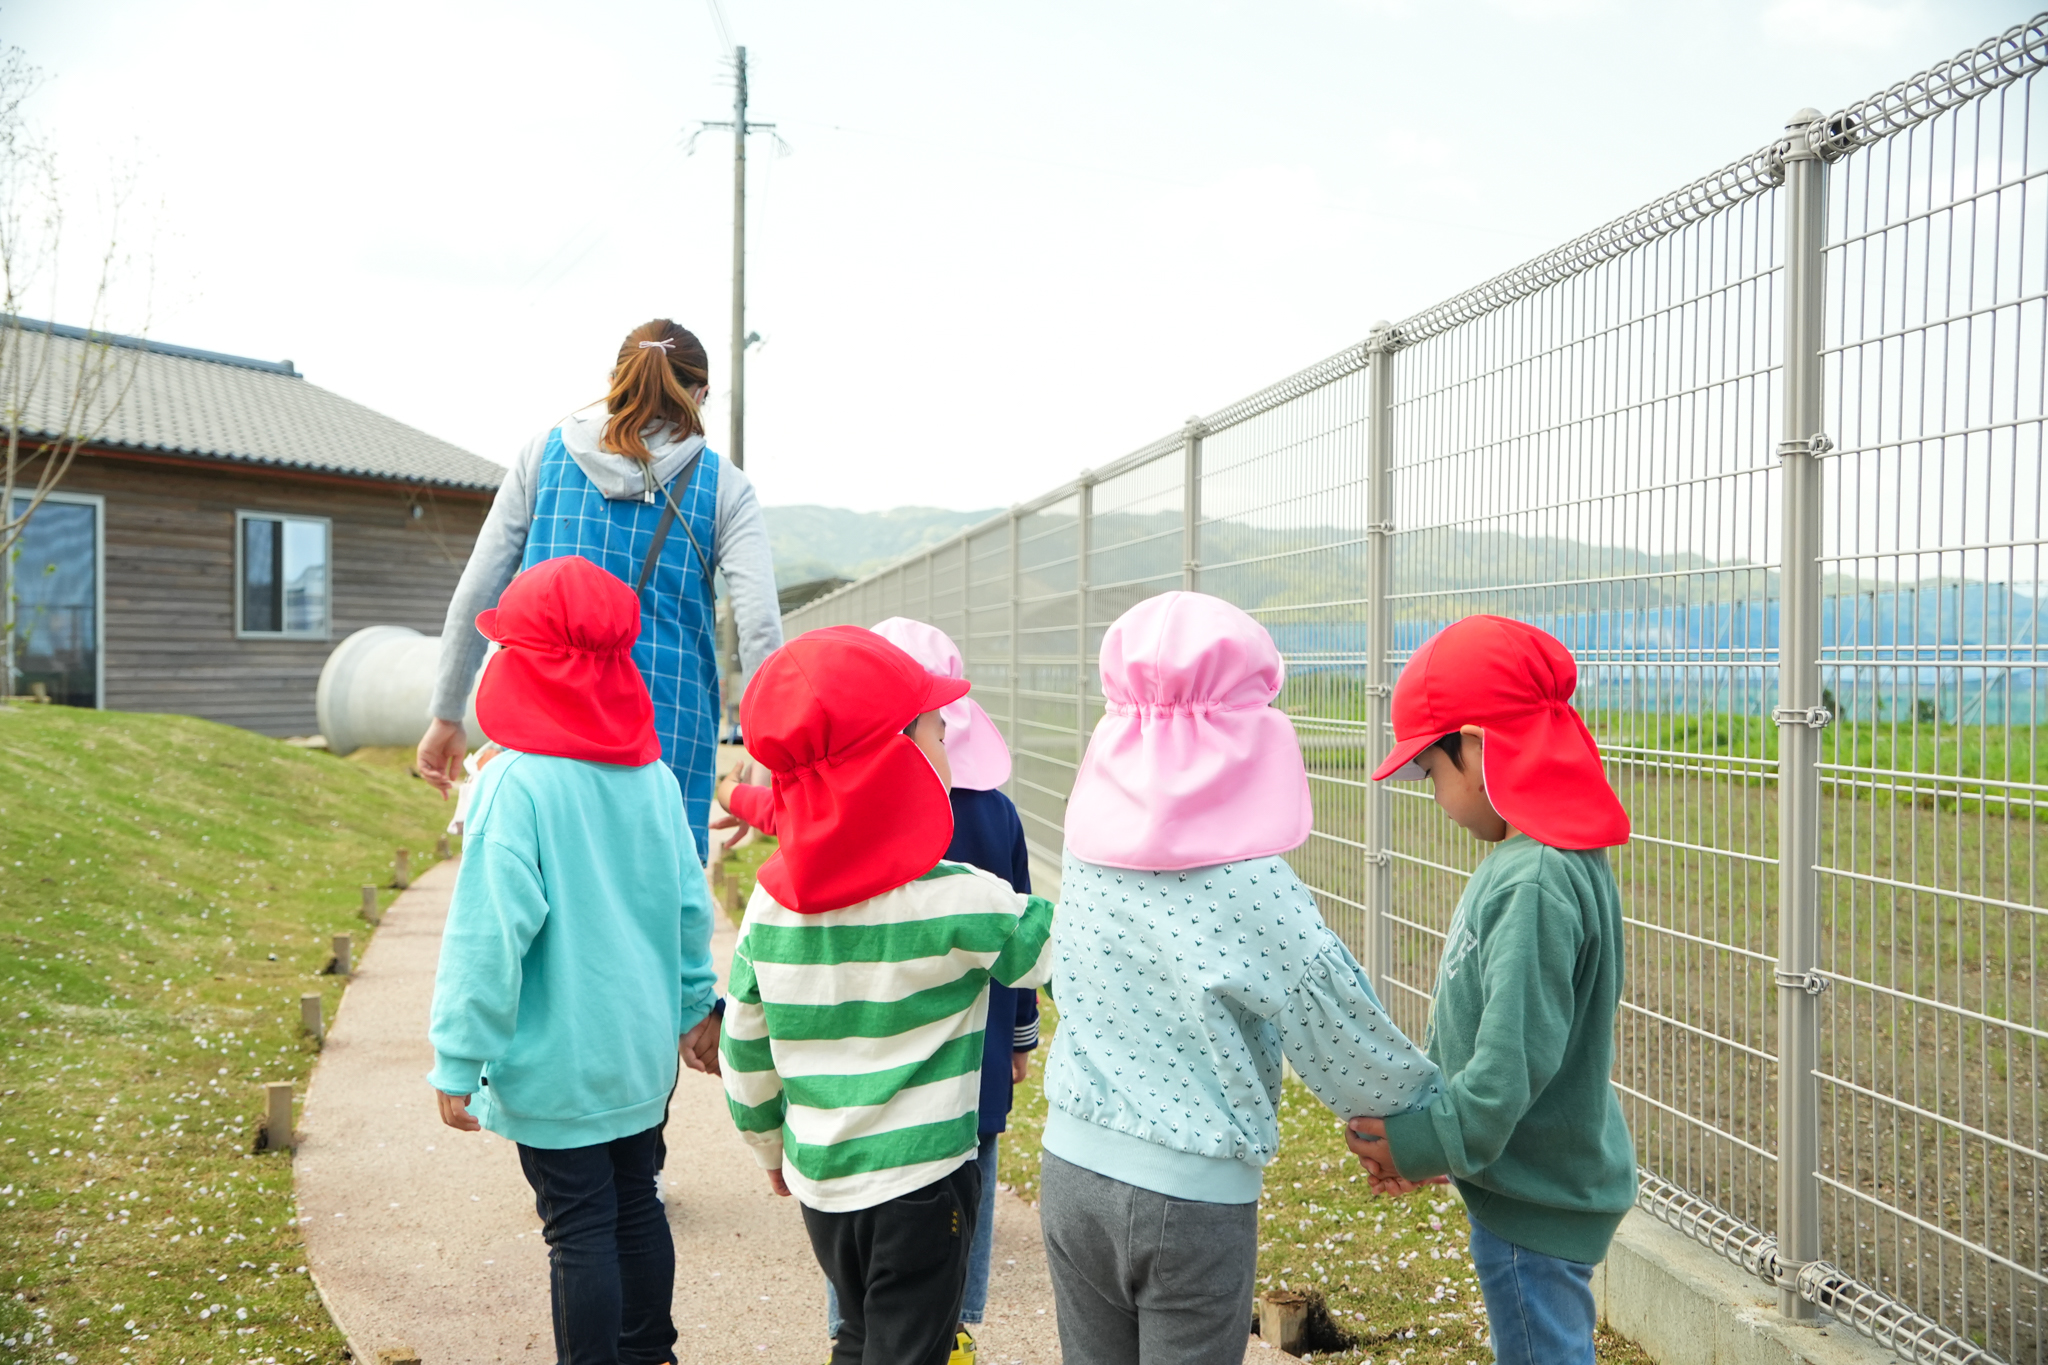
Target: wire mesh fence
[(1767, 455)]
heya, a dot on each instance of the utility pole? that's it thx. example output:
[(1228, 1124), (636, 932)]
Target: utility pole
[(737, 438)]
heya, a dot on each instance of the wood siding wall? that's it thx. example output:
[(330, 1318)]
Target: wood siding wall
[(169, 615)]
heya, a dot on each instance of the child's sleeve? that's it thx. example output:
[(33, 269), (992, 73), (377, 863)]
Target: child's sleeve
[(1020, 854), (753, 1090), (699, 976), (498, 908), (1026, 960), (1025, 1036), (1341, 1042), (755, 805), (1526, 963)]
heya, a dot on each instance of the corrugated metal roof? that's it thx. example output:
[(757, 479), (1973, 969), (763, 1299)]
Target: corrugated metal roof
[(189, 402)]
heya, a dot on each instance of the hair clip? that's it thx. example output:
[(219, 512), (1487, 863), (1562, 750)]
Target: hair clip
[(666, 344)]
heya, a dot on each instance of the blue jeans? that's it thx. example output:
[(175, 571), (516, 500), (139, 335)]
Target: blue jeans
[(611, 1262), (1539, 1307), (979, 1251)]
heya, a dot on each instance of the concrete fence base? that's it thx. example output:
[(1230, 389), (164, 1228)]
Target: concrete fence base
[(1686, 1306)]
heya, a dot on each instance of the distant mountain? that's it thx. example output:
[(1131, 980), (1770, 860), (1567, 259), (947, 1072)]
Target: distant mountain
[(822, 542)]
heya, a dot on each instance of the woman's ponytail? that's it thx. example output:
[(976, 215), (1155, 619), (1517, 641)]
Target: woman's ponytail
[(659, 364)]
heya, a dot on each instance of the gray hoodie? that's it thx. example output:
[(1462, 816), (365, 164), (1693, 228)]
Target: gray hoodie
[(739, 547)]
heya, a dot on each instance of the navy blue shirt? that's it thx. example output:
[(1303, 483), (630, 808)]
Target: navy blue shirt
[(988, 834)]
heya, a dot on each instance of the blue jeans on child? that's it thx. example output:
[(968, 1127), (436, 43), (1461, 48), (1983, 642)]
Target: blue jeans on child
[(1539, 1307), (979, 1251), (611, 1262)]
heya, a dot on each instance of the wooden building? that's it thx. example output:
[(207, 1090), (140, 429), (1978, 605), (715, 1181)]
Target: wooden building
[(228, 525)]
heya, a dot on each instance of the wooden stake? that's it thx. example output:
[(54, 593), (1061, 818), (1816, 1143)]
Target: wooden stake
[(441, 850), (343, 966), (309, 1016), (370, 910), (732, 898), (402, 870), (1283, 1319), (277, 1130)]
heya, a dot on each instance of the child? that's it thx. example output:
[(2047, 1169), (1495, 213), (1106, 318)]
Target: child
[(1528, 1124), (987, 834), (577, 953), (1190, 962), (858, 997)]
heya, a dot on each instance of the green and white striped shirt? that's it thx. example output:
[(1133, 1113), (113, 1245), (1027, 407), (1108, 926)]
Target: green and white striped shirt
[(852, 1039)]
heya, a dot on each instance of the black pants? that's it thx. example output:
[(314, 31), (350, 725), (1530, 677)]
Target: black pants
[(900, 1269), (611, 1263)]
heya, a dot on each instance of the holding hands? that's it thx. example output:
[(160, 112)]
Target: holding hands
[(1367, 1139), (699, 1047)]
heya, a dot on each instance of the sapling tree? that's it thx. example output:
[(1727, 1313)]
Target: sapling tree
[(57, 393)]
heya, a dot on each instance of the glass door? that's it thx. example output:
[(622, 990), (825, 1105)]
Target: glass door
[(54, 580)]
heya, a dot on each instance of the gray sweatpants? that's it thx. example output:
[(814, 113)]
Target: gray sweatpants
[(1142, 1279)]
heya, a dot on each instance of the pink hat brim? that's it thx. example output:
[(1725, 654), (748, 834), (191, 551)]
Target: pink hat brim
[(974, 748)]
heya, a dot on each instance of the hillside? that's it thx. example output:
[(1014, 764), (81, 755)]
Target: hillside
[(168, 890), (821, 542)]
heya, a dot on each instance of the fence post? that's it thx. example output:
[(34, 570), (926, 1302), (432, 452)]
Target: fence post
[(1379, 686), (1800, 717), (1191, 505), (1086, 499), (1016, 648)]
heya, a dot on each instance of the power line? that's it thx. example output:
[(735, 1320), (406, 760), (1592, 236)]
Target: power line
[(718, 22)]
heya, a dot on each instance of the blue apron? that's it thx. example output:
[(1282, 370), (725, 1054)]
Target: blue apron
[(678, 647)]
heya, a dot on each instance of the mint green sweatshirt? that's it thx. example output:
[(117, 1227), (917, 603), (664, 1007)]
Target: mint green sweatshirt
[(577, 951), (1523, 1026)]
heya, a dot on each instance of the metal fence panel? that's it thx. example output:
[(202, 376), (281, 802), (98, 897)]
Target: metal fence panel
[(1596, 458), (1933, 1056), (1610, 441)]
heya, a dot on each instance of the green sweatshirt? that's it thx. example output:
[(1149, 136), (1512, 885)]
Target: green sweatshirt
[(1523, 1026)]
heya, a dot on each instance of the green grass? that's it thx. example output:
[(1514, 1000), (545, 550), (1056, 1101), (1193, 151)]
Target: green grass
[(168, 890), (1395, 1273), (742, 864)]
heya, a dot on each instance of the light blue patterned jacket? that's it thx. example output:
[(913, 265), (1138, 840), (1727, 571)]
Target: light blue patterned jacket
[(1179, 994)]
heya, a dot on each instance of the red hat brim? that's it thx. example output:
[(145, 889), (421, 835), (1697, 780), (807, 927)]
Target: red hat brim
[(943, 692), (1400, 765)]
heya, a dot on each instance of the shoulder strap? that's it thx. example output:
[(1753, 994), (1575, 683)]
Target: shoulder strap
[(670, 514)]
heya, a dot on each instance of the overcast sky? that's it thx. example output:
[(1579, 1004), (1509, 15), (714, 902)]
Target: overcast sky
[(1007, 242)]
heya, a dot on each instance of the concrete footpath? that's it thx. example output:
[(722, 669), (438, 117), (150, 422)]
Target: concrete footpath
[(417, 1235)]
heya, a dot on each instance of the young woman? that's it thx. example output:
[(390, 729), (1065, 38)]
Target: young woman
[(629, 485)]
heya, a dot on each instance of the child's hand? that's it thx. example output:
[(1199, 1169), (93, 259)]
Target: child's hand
[(1020, 1067), (776, 1183), (455, 1112), (699, 1047), (1367, 1139), (730, 821)]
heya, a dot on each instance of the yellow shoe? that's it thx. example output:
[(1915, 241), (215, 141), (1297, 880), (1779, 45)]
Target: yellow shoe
[(963, 1349)]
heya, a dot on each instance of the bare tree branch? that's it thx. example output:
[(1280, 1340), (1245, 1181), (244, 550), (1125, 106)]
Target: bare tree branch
[(57, 393)]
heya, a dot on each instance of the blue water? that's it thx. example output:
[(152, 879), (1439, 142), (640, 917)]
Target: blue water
[(1975, 652)]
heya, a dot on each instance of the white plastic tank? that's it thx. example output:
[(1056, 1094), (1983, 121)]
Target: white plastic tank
[(375, 688)]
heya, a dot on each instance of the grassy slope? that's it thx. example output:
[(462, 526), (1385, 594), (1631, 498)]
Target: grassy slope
[(1395, 1272), (168, 889)]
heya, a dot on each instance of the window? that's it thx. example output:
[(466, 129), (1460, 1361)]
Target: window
[(54, 578), (281, 577)]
